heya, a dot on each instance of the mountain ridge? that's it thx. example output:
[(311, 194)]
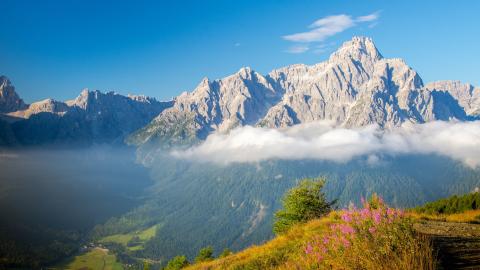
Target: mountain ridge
[(355, 86), (92, 117)]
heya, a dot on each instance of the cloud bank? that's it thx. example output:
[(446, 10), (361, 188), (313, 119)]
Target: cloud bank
[(325, 141)]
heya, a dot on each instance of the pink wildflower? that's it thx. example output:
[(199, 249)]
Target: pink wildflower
[(372, 230), (308, 249), (365, 213), (325, 240), (390, 212), (345, 243), (346, 229), (347, 216), (377, 217)]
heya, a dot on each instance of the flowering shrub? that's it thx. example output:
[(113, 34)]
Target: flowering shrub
[(373, 237)]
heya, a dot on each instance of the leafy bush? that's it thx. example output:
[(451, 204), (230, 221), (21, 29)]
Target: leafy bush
[(302, 203), (226, 252), (205, 254), (178, 262)]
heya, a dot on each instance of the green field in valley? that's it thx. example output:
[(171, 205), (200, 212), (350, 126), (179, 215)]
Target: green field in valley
[(95, 259), (134, 240)]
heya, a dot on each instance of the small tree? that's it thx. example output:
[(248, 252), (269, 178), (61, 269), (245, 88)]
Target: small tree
[(226, 252), (178, 262), (205, 254), (302, 203)]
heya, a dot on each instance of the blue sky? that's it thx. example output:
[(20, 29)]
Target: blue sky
[(160, 48)]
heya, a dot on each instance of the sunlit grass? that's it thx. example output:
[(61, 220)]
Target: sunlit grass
[(123, 239), (375, 239), (469, 216), (97, 258), (274, 253)]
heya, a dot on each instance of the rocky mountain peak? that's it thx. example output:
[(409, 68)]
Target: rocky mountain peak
[(358, 48), (9, 99), (245, 72), (356, 86)]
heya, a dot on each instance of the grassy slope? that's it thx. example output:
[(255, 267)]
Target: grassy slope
[(469, 216), (464, 208), (95, 259), (272, 254), (288, 252), (123, 239)]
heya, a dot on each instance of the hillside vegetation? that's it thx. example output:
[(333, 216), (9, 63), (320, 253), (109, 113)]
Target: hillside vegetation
[(366, 238), (311, 238), (464, 208), (201, 204)]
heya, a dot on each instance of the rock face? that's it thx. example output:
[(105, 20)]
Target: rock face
[(467, 95), (356, 86), (93, 117), (220, 105), (9, 100)]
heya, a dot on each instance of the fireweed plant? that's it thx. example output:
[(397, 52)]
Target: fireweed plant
[(373, 237)]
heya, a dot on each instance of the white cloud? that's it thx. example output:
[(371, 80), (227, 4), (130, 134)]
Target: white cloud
[(298, 49), (368, 18), (325, 141), (328, 26), (323, 28)]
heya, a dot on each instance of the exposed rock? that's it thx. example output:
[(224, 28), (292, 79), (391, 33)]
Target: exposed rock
[(356, 86), (9, 100), (92, 117)]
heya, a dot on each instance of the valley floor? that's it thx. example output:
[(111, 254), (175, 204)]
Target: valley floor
[(96, 259)]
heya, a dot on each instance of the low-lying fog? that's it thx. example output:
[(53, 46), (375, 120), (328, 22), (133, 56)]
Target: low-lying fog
[(69, 189)]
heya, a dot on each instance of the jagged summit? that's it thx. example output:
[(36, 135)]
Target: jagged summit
[(356, 86), (357, 48), (9, 99)]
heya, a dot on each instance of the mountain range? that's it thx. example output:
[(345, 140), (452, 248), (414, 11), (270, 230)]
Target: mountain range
[(91, 118), (355, 86)]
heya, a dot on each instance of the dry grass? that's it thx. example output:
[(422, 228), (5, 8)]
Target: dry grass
[(470, 216), (273, 254), (287, 252)]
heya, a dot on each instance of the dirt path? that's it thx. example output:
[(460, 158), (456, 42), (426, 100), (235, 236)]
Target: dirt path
[(457, 244)]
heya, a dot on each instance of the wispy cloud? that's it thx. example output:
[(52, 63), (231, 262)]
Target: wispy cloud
[(368, 18), (329, 26), (323, 28), (325, 141), (298, 49)]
